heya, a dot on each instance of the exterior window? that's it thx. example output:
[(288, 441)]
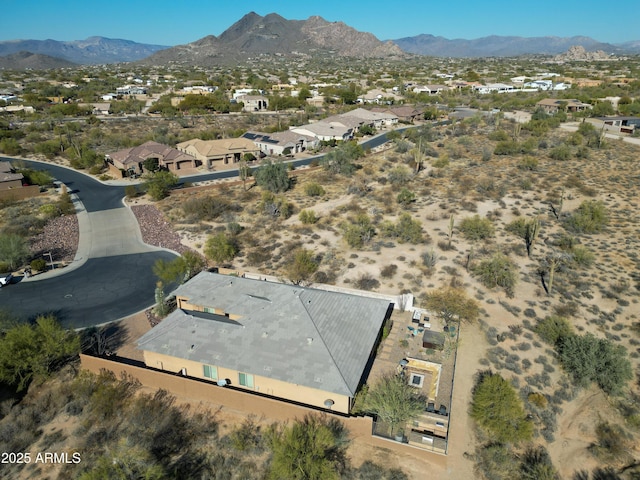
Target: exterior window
[(210, 372), (209, 310), (416, 380), (245, 379)]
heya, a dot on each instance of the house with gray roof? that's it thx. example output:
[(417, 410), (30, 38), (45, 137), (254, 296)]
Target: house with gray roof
[(281, 143), (297, 344)]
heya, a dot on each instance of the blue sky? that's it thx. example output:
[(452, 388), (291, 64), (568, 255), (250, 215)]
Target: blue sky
[(174, 22)]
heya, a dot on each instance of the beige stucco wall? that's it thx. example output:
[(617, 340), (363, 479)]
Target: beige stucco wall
[(262, 384)]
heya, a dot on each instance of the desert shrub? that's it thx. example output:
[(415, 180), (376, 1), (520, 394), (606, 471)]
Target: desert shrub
[(388, 271), (553, 328), (399, 175), (536, 465), (582, 256), (234, 228), (366, 281), (38, 265), (528, 163), (498, 136), (590, 359), (538, 399), (308, 217), (406, 196), (408, 230), (198, 209), (476, 228), (429, 258), (612, 443), (276, 205), (561, 152), (590, 217), (506, 147), (313, 189), (358, 231), (497, 271)]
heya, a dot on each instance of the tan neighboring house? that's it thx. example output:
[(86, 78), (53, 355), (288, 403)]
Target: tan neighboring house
[(218, 152), (297, 344), (325, 131), (626, 125), (253, 103), (554, 105), (97, 108), (405, 113), (370, 117), (131, 160), (9, 180), (12, 184), (281, 143)]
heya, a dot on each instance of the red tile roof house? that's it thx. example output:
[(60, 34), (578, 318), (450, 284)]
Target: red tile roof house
[(131, 160)]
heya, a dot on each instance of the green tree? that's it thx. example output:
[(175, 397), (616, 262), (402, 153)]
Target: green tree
[(394, 400), (29, 352), (497, 409), (476, 228), (14, 250), (220, 248), (590, 359), (340, 159), (311, 449), (301, 266), (553, 329), (273, 176), (179, 269), (158, 184), (452, 305)]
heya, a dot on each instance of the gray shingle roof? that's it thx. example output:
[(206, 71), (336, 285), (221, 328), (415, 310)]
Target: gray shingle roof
[(299, 335)]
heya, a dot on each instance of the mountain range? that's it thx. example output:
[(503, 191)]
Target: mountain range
[(92, 51), (254, 35), (505, 46)]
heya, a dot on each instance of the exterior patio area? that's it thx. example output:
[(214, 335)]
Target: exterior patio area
[(425, 349)]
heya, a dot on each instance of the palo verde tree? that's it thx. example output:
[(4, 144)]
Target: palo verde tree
[(158, 184), (496, 408), (452, 305), (273, 176), (220, 248), (14, 250), (313, 448), (29, 352), (394, 401), (179, 269)]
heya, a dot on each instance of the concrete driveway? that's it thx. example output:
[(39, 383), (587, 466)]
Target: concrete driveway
[(111, 276)]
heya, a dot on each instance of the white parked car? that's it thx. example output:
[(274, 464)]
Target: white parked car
[(5, 279)]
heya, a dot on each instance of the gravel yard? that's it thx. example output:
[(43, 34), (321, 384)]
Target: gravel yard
[(59, 237)]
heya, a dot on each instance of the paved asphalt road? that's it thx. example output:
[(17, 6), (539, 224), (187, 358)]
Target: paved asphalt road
[(111, 276)]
